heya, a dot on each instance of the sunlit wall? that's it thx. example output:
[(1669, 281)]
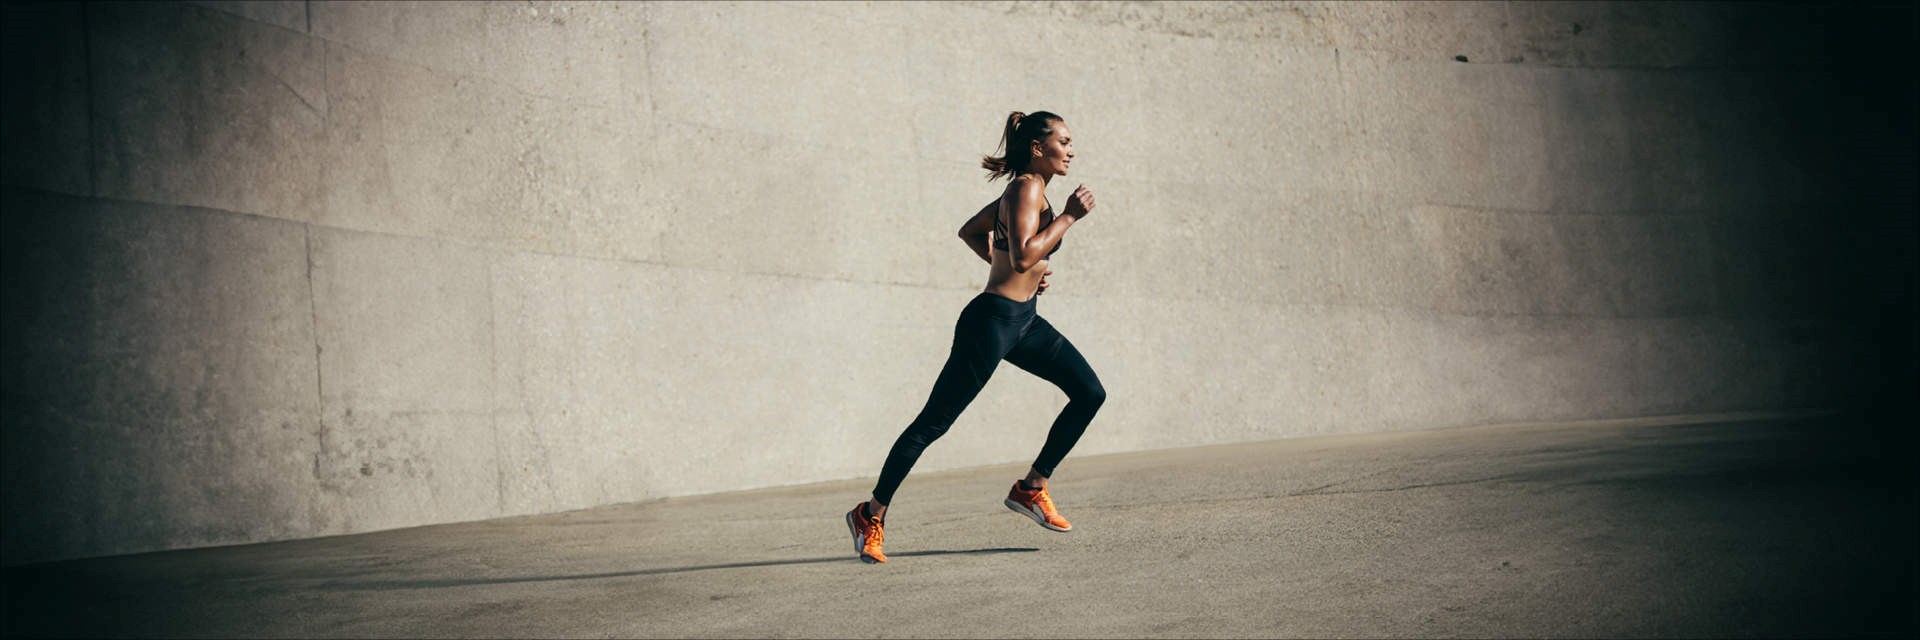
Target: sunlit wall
[(281, 270)]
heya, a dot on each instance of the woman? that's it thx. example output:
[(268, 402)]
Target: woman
[(1002, 323)]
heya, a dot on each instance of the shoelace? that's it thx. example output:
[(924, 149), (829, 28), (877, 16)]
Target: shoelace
[(1045, 501), (874, 533)]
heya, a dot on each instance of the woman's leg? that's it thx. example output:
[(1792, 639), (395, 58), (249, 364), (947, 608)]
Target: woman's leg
[(987, 328), (1045, 353)]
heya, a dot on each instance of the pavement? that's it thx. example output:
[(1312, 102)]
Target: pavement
[(1745, 525)]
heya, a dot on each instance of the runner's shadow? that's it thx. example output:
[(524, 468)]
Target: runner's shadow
[(435, 584)]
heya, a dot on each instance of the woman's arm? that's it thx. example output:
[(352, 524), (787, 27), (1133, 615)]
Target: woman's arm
[(975, 231), (1029, 245)]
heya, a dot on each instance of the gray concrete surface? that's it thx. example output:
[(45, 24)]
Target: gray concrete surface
[(283, 270), (1701, 526)]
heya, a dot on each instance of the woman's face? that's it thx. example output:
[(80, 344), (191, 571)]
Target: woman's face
[(1053, 154)]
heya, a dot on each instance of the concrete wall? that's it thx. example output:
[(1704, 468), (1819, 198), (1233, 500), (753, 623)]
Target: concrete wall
[(280, 270)]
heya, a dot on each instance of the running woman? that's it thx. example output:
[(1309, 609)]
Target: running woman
[(1002, 323)]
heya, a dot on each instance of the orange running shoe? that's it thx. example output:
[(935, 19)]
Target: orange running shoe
[(867, 534), (1038, 505)]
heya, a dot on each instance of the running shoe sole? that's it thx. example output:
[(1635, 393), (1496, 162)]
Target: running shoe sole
[(1037, 517), (859, 545)]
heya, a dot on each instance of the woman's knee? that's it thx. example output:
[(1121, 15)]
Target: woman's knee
[(1093, 394)]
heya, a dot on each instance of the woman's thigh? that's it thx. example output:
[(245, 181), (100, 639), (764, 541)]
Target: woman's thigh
[(981, 339), (1045, 353)]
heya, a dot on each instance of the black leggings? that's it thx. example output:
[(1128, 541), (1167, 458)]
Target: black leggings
[(992, 328)]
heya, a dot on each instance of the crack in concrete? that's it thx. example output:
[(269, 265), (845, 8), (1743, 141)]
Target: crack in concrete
[(319, 371), (493, 393), (1316, 492), (296, 92)]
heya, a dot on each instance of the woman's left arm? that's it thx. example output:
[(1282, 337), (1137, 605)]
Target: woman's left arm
[(975, 231)]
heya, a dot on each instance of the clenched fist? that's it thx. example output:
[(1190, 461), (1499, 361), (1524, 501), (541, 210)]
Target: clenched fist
[(1080, 205)]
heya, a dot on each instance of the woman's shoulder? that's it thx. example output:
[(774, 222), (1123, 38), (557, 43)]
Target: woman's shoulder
[(1025, 186)]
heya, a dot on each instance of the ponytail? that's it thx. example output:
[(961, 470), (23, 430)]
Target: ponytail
[(1021, 130)]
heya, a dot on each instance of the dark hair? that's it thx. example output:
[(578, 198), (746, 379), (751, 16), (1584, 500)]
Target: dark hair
[(1022, 129)]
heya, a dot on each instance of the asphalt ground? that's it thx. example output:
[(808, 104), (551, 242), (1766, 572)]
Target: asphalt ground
[(1709, 526)]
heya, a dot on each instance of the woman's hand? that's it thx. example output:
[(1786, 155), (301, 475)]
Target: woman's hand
[(1043, 282), (1080, 205)]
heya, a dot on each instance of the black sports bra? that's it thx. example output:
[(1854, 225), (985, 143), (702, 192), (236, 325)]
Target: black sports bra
[(1000, 230)]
